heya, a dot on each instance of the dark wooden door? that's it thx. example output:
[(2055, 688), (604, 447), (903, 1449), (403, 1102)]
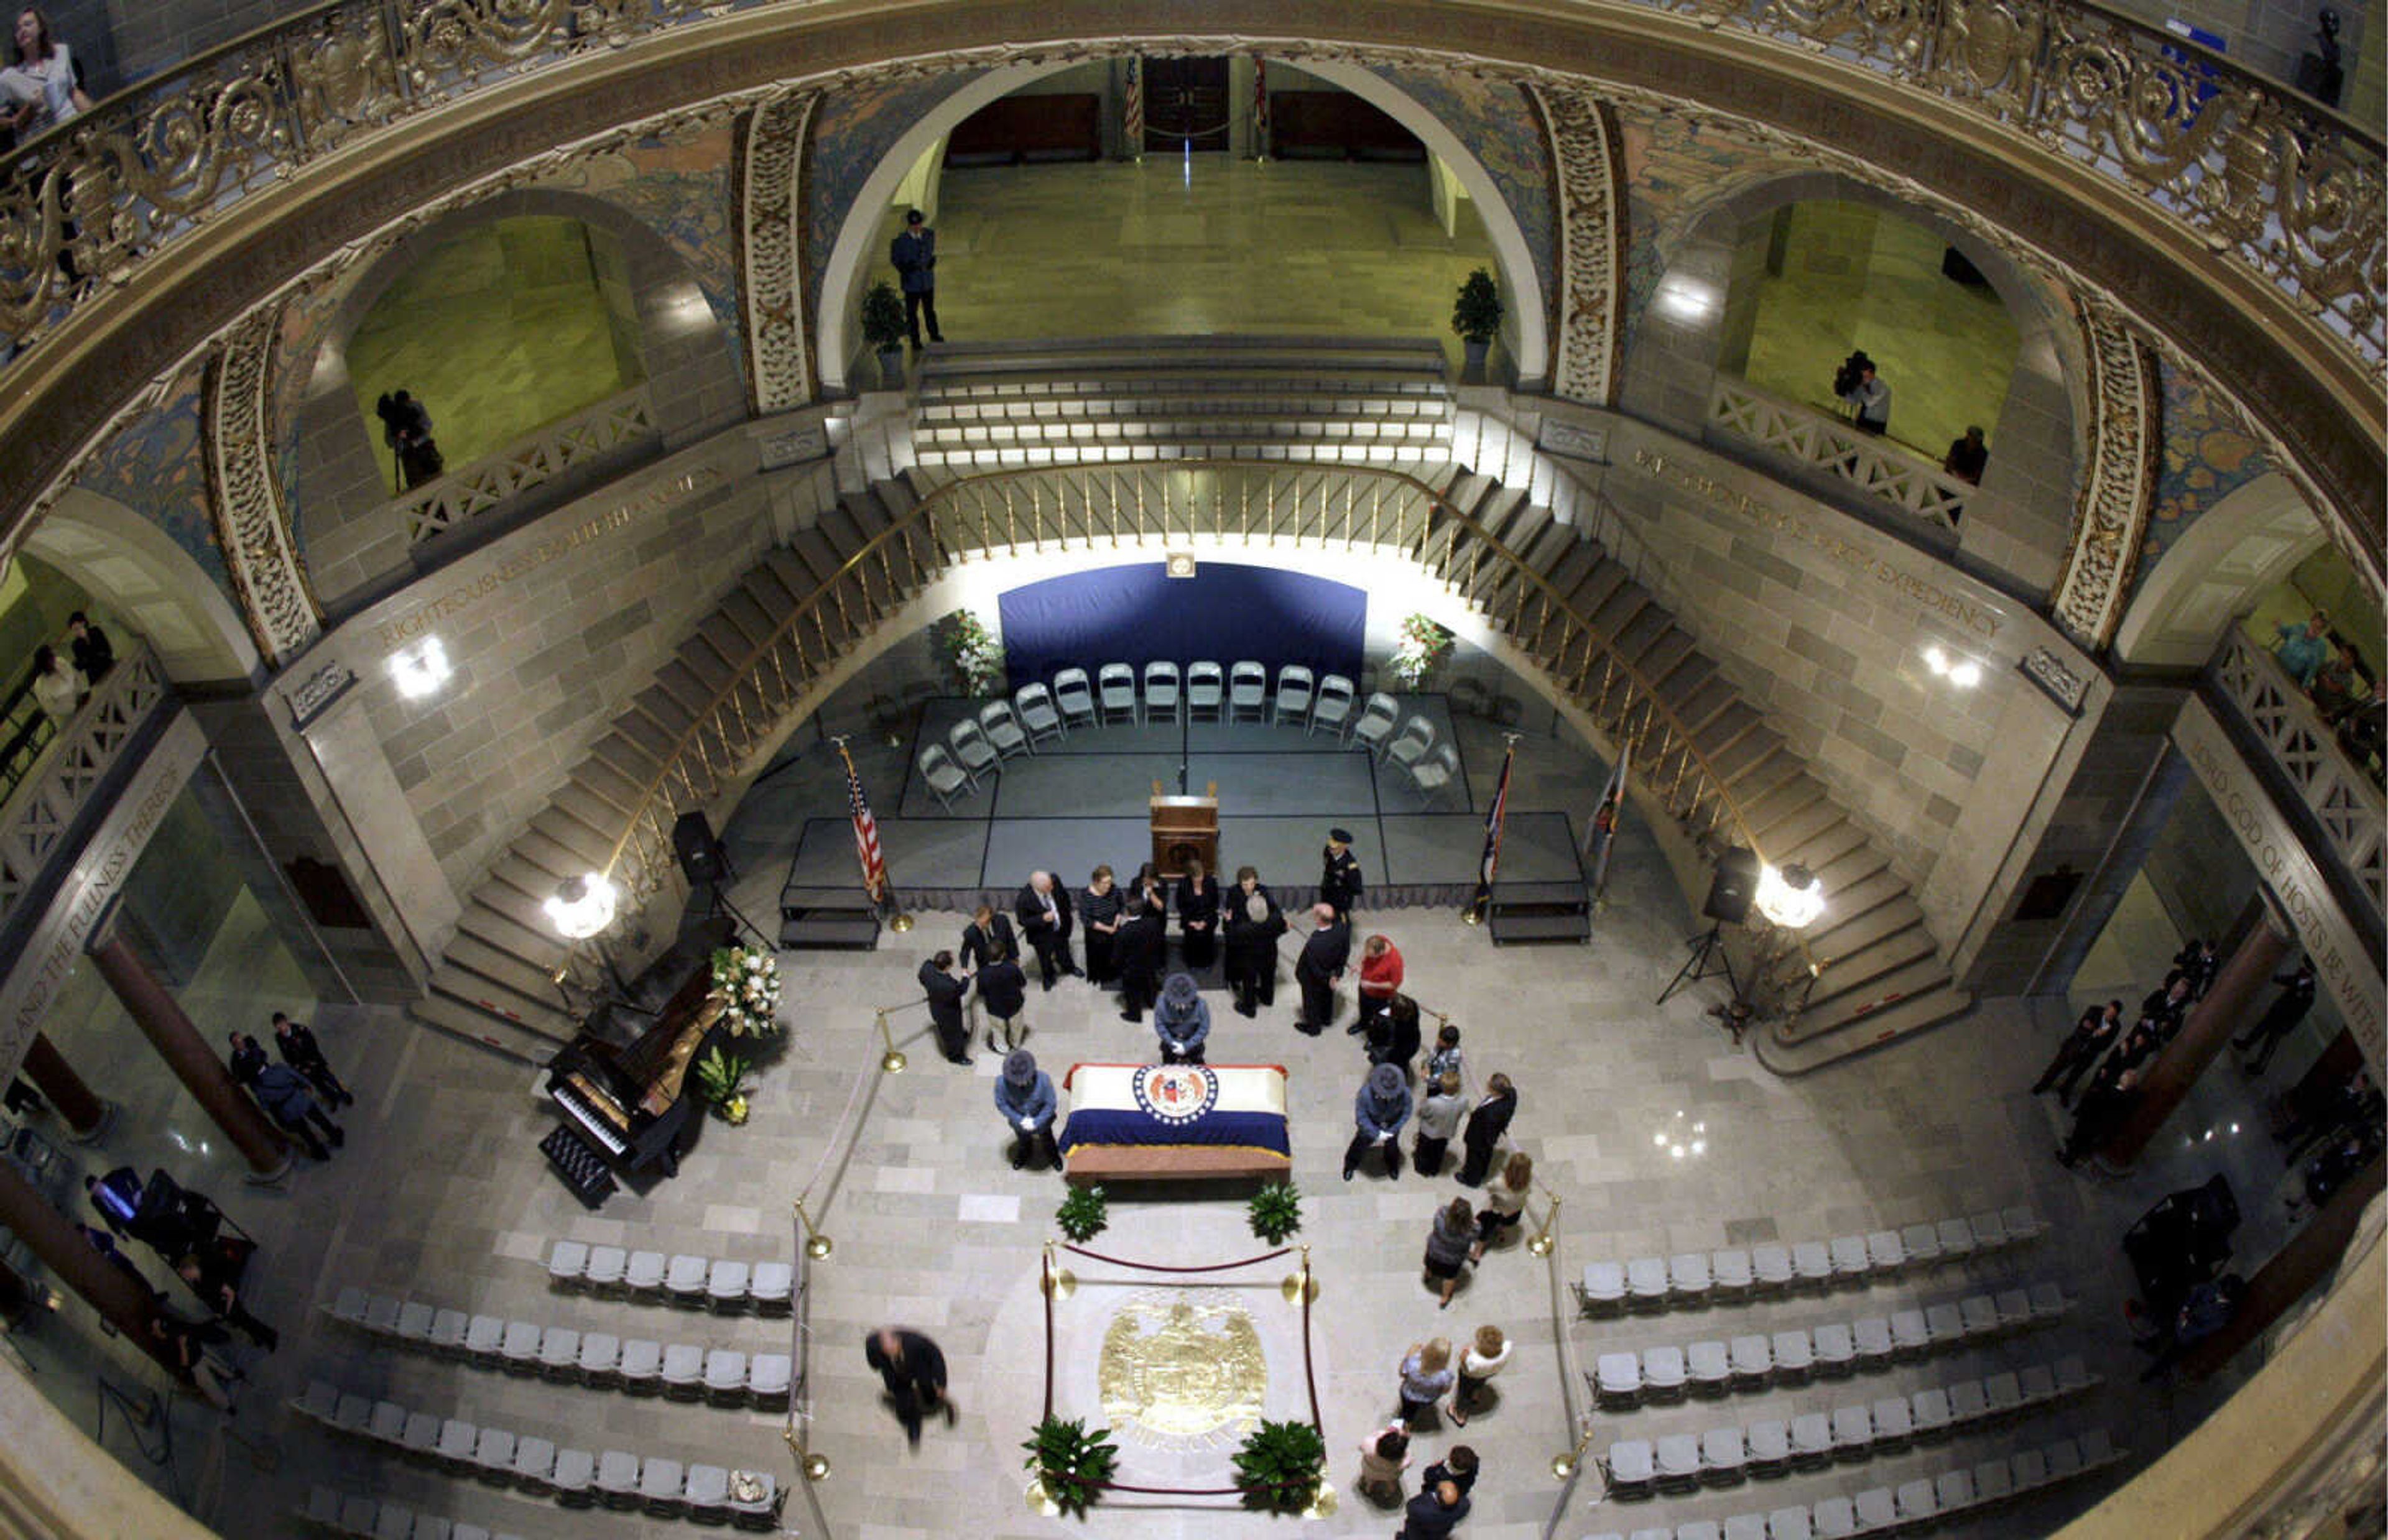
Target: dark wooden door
[(1186, 104)]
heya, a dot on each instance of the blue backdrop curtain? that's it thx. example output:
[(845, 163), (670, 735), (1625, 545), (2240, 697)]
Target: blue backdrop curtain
[(1133, 614)]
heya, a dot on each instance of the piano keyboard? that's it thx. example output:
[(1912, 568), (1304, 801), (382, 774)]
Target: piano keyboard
[(587, 1114)]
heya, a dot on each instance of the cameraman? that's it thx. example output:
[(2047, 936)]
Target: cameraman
[(1865, 395)]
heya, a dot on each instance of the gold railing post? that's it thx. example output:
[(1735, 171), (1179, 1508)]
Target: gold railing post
[(892, 1060), (1543, 1243)]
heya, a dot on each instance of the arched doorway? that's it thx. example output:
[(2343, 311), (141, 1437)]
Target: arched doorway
[(135, 568), (2244, 545)]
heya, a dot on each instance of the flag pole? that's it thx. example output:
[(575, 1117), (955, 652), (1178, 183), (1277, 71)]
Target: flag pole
[(880, 887), (1497, 824)]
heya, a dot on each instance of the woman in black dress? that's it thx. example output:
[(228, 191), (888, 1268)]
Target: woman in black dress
[(1198, 915), (1100, 907)]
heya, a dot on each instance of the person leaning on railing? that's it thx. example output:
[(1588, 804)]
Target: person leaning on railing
[(2301, 648)]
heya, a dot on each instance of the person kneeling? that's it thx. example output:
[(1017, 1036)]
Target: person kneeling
[(1182, 1020), (1023, 1093)]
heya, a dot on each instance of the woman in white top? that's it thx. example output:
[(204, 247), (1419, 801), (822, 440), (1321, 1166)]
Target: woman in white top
[(57, 686), (1504, 1201), (1384, 1454), (39, 87), (1479, 1361)]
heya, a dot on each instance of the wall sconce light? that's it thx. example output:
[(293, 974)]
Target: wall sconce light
[(1963, 673), (420, 669)]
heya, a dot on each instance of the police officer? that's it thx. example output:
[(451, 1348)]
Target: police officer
[(1339, 880)]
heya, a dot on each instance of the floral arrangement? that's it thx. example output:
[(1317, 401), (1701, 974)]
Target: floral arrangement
[(748, 983), (1424, 648), (973, 659), (721, 1080)]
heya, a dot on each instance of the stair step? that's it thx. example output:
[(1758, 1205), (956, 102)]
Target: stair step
[(681, 682), (1639, 634), (793, 572), (1843, 937), (1659, 661), (658, 706), (592, 849), (472, 989), (1793, 829), (1846, 901), (837, 525), (1596, 587), (711, 667), (1860, 972), (526, 879), (1746, 751), (602, 816), (1800, 791), (1629, 600), (510, 903), (636, 746), (755, 622), (524, 1044), (1838, 856), (1571, 566), (500, 966), (1805, 1047), (543, 951)]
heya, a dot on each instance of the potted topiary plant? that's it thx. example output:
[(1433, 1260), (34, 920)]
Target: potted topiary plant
[(882, 328), (1275, 1211), (1279, 1467), (1083, 1212), (1072, 1462), (1476, 317)]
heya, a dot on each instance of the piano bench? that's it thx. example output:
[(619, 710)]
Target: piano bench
[(582, 1168)]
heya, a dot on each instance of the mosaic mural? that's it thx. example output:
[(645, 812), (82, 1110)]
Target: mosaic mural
[(853, 131), (154, 468), (1492, 119), (1676, 169), (2208, 454)]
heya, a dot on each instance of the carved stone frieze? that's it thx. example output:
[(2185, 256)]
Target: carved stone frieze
[(1591, 198), (2118, 482), (771, 251), (245, 498)]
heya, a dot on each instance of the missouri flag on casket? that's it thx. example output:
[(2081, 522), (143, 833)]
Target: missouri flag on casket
[(1153, 1120)]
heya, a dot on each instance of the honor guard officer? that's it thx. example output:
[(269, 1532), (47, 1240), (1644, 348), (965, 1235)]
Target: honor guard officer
[(1338, 882)]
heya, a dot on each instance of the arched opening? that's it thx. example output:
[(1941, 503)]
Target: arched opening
[(1818, 280), (134, 570), (2243, 551), (1056, 250), (500, 329)]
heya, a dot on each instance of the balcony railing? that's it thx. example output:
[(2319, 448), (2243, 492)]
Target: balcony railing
[(591, 433), (43, 813), (2270, 180), (1868, 462), (2351, 810)]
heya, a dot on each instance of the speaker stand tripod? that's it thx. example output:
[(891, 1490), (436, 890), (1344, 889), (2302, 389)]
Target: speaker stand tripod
[(1707, 960)]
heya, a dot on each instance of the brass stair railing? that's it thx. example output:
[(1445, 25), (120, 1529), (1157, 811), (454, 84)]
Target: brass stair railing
[(1033, 509)]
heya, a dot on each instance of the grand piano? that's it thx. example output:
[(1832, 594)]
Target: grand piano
[(626, 1101)]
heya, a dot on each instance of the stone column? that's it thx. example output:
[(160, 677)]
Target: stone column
[(2305, 1260), (197, 1065), (115, 1293), (85, 1113), (2204, 1036)]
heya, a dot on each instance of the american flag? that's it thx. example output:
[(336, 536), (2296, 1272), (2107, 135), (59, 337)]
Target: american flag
[(1260, 108), (1605, 818), (866, 833), (1494, 819), (1132, 130)]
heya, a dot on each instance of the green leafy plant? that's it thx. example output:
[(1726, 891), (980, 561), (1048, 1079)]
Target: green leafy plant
[(1425, 646), (1275, 1211), (882, 317), (1279, 1466), (1476, 313), (1083, 1212), (972, 656), (721, 1080), (1072, 1461)]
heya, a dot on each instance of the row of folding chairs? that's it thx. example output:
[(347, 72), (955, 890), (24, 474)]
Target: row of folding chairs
[(1758, 1361), (364, 1518), (535, 1466), (1810, 1441), (1959, 1492), (569, 1356), (1692, 1278), (684, 1279)]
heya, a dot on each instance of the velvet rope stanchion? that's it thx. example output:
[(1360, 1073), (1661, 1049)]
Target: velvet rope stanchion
[(1163, 1267)]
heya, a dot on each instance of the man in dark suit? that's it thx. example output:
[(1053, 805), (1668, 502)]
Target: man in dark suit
[(1485, 1127), (987, 933), (1253, 924), (1338, 877), (914, 1370), (93, 655), (1139, 950), (1320, 968), (1434, 1514), (2091, 1036), (946, 989), (1043, 909), (2279, 1018), (302, 1053)]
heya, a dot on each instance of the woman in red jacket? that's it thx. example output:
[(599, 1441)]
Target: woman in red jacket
[(1381, 979)]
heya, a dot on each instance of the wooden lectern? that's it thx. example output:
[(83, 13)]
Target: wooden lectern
[(1185, 829)]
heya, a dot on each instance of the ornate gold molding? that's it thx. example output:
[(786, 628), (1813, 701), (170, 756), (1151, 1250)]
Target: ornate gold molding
[(768, 177), (1590, 196), (2119, 483), (245, 498)]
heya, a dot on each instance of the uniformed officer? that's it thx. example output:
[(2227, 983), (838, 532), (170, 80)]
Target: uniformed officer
[(1339, 880)]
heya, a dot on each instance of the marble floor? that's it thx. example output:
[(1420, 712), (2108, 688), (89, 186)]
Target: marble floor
[(1177, 246), (440, 1194)]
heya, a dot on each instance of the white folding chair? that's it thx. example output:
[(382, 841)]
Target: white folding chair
[(706, 1489), (1375, 727), (772, 1285), (1296, 687), (1835, 1518), (518, 1349), (1617, 1377), (659, 1487), (1247, 691), (1894, 1422), (1038, 713), (1884, 1253), (1633, 1466), (945, 778), (606, 1265), (768, 1379), (1710, 1367), (1811, 1262), (1853, 1433), (567, 1262), (1332, 709), (684, 1370), (1161, 690), (1723, 1455), (1770, 1264), (1206, 692), (1836, 1349), (725, 1376), (1645, 1282), (1001, 725), (600, 1359), (1928, 1412), (1851, 1262), (641, 1364), (617, 1479), (1795, 1354), (1946, 1323), (725, 1285), (1416, 738), (1877, 1511), (1687, 1277), (1872, 1337), (1664, 1372), (645, 1272), (1076, 699), (1729, 1269), (1811, 1440), (458, 1439), (1436, 774), (1753, 1359), (1679, 1462), (1604, 1286), (493, 1455), (1769, 1446), (1115, 688), (971, 747), (569, 1474), (1922, 1244), (559, 1353)]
